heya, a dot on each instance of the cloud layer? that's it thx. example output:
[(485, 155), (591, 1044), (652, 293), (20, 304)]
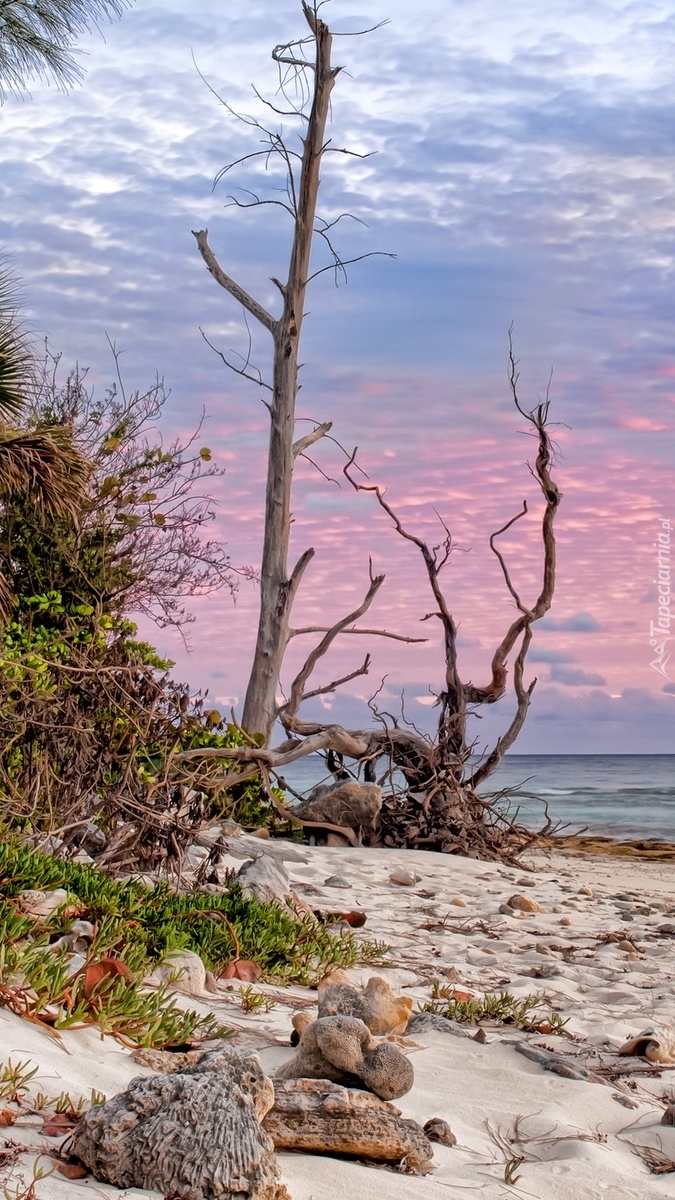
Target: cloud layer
[(524, 173)]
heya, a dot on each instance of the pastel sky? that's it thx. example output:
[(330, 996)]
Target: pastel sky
[(524, 174)]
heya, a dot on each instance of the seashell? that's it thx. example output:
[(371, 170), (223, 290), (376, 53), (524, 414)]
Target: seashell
[(657, 1044)]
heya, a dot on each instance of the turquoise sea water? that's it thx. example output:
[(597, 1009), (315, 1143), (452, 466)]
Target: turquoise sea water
[(624, 795)]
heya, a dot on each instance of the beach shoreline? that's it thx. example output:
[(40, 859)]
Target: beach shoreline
[(594, 950)]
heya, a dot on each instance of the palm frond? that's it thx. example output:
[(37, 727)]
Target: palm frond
[(36, 39), (45, 464), (16, 358)]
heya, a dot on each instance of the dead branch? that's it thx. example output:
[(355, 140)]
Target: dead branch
[(397, 637), (309, 439), (287, 712), (226, 281)]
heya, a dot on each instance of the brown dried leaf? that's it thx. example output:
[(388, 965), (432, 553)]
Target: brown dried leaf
[(72, 1170), (243, 969)]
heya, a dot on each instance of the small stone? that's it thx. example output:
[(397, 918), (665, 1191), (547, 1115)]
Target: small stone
[(182, 971), (667, 930), (542, 948), (36, 903), (457, 900), (506, 910), (261, 833), (438, 1130), (480, 1036), (565, 921), (625, 1100), (525, 882), (668, 1117), (336, 839), (402, 877), (336, 881), (628, 946), (525, 904), (586, 891)]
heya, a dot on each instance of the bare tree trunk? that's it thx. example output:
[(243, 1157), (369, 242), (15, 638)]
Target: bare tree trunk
[(277, 590)]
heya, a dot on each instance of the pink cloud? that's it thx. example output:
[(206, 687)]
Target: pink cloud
[(642, 424)]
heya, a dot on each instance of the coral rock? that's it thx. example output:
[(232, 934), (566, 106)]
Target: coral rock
[(343, 1049), (318, 1116), (195, 1133), (375, 1005)]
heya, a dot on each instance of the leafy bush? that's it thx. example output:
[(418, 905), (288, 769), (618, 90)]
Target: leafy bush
[(92, 724), (138, 927)]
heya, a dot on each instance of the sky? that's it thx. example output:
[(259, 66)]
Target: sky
[(522, 173)]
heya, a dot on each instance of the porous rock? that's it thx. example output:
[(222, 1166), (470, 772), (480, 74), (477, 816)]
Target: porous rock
[(320, 1116), (375, 1004), (195, 1133), (427, 1022), (343, 1050), (349, 804)]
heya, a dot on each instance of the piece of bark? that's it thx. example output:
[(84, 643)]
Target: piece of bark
[(318, 1116), (559, 1064), (195, 1133)]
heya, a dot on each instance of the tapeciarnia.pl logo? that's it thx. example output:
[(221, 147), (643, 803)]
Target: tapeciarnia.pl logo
[(659, 631)]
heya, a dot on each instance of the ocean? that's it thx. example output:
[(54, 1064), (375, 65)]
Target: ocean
[(625, 796)]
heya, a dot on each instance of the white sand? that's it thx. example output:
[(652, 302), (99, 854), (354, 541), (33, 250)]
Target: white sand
[(606, 995)]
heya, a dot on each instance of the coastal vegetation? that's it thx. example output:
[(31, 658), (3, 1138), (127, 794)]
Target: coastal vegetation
[(133, 928)]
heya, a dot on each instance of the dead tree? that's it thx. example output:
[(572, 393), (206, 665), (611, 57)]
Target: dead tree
[(278, 586), (440, 807)]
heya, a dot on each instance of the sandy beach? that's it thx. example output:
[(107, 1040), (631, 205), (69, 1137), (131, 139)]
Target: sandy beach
[(576, 1136)]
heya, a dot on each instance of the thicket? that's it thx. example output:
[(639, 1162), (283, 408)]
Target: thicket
[(92, 719)]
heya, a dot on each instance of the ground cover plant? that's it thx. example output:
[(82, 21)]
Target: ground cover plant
[(134, 928), (529, 1013)]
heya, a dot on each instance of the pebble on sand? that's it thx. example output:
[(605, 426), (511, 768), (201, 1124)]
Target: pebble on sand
[(402, 878)]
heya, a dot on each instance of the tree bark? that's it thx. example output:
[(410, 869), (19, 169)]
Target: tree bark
[(277, 589)]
